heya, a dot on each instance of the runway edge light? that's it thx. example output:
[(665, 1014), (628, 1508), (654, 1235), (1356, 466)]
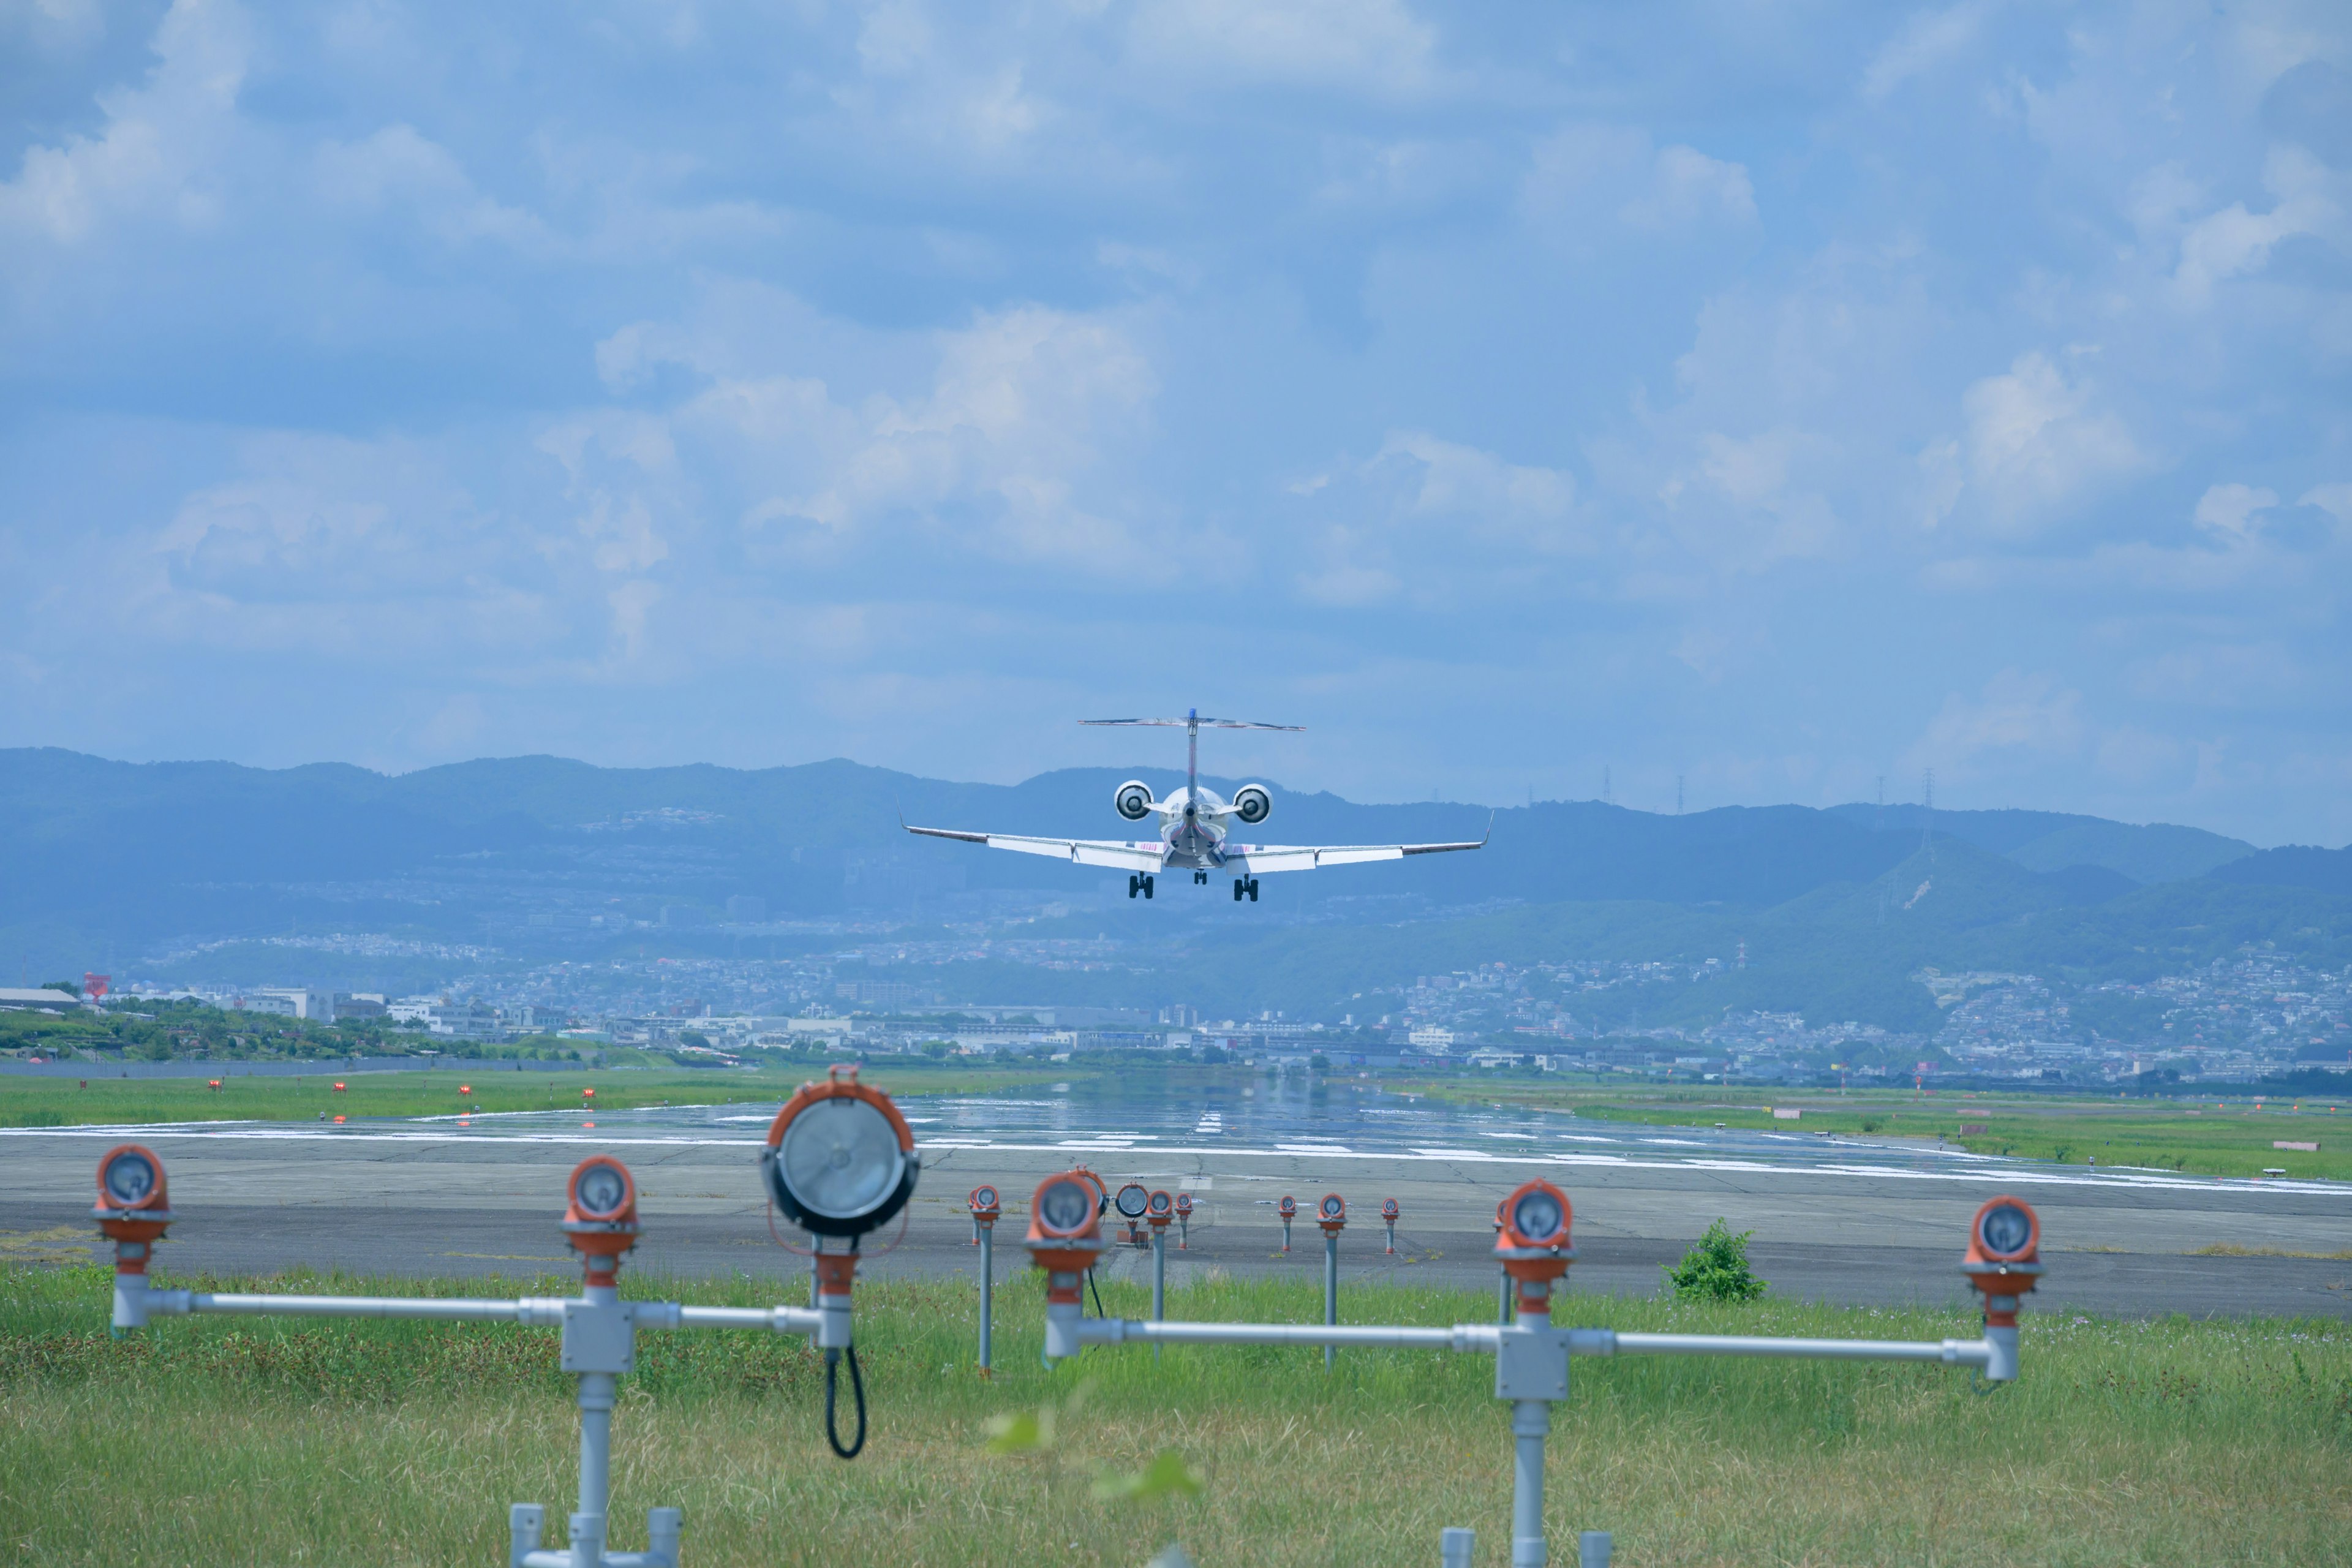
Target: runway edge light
[(1535, 1243), (133, 1210), (840, 1161), (1064, 1240), (2004, 1262)]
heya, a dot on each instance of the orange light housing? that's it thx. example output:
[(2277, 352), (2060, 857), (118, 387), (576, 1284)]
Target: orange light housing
[(2004, 1257), (1536, 1242), (134, 1204), (1388, 1210), (1183, 1206), (1288, 1208), (861, 1213), (1331, 1214), (986, 1206), (601, 1215), (1160, 1208), (1065, 1231)]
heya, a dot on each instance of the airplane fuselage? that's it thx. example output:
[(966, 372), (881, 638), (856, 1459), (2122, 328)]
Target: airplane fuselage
[(1192, 829)]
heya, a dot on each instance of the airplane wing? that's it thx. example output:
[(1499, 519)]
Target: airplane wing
[(1118, 856), (1248, 859)]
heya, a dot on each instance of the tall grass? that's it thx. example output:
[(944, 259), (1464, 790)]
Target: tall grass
[(283, 1441)]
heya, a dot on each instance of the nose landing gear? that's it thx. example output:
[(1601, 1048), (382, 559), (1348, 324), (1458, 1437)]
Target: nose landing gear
[(1138, 883), (1245, 885)]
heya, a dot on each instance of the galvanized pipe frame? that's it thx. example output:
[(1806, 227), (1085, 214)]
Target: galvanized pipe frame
[(1532, 1360), (599, 1344)]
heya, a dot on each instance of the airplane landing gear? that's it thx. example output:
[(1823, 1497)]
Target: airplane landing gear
[(1139, 884), (1200, 878), (1245, 885)]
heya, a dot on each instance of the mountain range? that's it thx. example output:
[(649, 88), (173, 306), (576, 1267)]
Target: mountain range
[(108, 863)]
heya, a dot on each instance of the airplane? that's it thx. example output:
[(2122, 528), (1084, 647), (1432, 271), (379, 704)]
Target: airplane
[(1193, 824)]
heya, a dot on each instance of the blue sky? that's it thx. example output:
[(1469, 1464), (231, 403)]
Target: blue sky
[(1777, 396)]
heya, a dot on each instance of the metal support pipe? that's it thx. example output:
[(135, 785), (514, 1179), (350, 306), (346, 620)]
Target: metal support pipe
[(1159, 1278), (1330, 1292), (445, 1309), (1503, 1300), (987, 1291), (587, 1536), (1950, 1352), (1530, 1423), (1465, 1337), (1456, 1547), (1592, 1548)]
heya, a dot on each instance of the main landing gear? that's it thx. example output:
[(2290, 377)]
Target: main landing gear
[(1245, 885), (1200, 878), (1138, 883)]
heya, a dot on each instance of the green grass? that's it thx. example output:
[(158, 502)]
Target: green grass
[(2202, 1137), (222, 1441), (60, 1102)]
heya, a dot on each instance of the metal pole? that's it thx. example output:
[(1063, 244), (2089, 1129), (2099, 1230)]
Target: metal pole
[(987, 1289), (1530, 1421), (1331, 1291), (1159, 1278), (1592, 1548), (1455, 1547), (1503, 1302), (596, 1473)]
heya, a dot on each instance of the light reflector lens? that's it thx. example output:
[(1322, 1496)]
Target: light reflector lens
[(1065, 1207), (1131, 1201), (129, 1177), (2005, 1229), (601, 1190), (840, 1158), (1537, 1217)]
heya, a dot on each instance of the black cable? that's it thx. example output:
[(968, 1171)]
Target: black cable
[(858, 1390), (1097, 1295)]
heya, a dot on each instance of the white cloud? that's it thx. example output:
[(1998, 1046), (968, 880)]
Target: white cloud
[(2335, 501), (1001, 456), (1373, 46), (2037, 441), (161, 148), (1924, 42), (2017, 715), (2307, 199), (2232, 509), (1583, 177), (398, 170)]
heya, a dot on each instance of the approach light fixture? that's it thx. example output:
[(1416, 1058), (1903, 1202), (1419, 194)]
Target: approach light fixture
[(1534, 1243), (130, 1178), (1132, 1200), (840, 1159), (1331, 1214), (2004, 1262)]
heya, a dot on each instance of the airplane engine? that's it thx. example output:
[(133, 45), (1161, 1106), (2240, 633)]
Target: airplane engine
[(1133, 800), (1253, 805)]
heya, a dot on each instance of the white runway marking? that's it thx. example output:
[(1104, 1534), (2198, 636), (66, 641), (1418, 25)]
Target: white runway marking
[(1979, 1171)]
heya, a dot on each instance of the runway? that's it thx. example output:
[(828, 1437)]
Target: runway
[(1847, 1221)]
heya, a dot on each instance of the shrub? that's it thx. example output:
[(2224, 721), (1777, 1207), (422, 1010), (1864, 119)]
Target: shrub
[(1715, 1268)]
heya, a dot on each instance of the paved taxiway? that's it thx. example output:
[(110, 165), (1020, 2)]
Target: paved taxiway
[(404, 1202)]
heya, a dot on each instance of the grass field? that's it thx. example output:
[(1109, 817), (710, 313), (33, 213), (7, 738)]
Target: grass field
[(2209, 1138), (218, 1441), (61, 1102)]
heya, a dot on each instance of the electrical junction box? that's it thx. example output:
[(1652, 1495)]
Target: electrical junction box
[(598, 1338), (1531, 1363)]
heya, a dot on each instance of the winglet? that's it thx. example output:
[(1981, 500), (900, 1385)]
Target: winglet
[(1490, 829)]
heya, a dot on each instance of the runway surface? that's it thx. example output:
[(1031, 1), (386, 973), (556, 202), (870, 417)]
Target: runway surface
[(1846, 1220)]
